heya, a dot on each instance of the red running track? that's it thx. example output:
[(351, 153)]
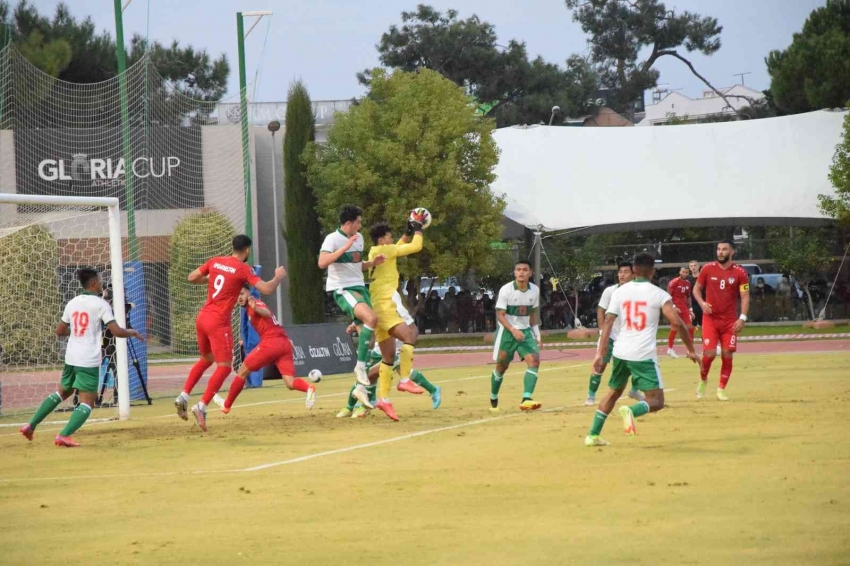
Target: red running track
[(27, 389)]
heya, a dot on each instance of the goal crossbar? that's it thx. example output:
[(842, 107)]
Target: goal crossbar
[(117, 269)]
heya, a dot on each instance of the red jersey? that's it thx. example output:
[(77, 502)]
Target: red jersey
[(722, 288), (267, 328), (227, 276), (680, 290)]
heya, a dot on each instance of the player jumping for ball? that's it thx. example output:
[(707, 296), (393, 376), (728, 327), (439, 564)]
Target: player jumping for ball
[(518, 313), (680, 289), (274, 348), (723, 283), (224, 277), (342, 255), (390, 325), (417, 383), (82, 321), (624, 275), (640, 304)]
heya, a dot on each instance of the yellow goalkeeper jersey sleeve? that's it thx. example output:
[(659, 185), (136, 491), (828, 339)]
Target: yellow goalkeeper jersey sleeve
[(385, 276)]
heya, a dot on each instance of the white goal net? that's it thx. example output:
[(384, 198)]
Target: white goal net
[(177, 173)]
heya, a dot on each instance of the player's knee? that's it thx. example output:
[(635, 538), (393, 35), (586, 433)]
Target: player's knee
[(726, 354), (710, 353), (208, 357), (228, 364), (656, 402), (370, 319), (501, 368)]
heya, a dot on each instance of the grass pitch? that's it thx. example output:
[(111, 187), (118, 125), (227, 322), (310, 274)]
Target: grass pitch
[(763, 479)]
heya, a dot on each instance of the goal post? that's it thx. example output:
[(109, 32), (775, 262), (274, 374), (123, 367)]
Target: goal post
[(59, 210)]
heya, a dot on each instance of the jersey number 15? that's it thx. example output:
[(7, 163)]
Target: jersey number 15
[(635, 315)]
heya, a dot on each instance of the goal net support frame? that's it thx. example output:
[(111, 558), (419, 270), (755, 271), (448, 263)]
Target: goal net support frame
[(117, 275)]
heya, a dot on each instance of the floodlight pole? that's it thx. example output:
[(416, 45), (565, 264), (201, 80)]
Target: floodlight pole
[(129, 195), (538, 244), (243, 114), (274, 126)]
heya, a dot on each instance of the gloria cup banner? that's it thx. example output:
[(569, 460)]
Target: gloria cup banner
[(325, 347), (166, 164)]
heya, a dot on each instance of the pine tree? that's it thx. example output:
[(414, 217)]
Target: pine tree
[(302, 232)]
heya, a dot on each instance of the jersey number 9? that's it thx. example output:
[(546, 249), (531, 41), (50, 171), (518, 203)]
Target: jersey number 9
[(218, 284)]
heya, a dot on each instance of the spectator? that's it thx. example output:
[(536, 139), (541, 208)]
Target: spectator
[(489, 312), (693, 267), (432, 311), (762, 296), (448, 311), (783, 298)]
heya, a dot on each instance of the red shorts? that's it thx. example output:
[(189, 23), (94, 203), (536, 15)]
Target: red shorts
[(720, 331), (277, 351), (685, 315), (214, 336)]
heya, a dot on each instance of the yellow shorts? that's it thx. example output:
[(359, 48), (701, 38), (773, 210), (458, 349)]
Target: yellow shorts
[(388, 317)]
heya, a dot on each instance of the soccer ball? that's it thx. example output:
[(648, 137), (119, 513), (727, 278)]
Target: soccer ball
[(420, 215), (315, 376)]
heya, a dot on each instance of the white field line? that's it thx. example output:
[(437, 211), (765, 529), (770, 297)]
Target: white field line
[(282, 462), (274, 401)]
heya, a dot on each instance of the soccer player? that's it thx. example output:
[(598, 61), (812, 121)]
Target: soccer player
[(274, 348), (724, 283), (342, 255), (82, 321), (639, 304), (518, 314), (624, 275), (417, 383), (391, 326), (680, 289), (693, 268), (224, 277)]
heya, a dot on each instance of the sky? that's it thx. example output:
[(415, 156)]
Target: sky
[(325, 42)]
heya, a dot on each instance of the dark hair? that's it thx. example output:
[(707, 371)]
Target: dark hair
[(246, 286), (523, 262), (644, 260), (693, 261), (378, 231), (621, 264), (349, 213), (730, 242), (86, 275), (241, 243)]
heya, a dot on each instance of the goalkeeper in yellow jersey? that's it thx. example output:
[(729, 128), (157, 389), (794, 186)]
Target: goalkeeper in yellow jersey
[(390, 325)]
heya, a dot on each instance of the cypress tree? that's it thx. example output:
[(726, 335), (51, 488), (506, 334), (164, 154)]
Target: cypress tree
[(302, 230)]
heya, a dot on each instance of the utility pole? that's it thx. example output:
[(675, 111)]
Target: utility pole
[(742, 76)]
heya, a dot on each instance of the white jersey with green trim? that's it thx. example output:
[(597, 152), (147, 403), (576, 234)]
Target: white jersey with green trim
[(518, 304), (604, 303), (86, 315), (347, 270), (638, 303)]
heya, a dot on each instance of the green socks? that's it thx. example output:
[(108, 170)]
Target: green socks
[(372, 390), (595, 380), (420, 380), (47, 406), (352, 400), (598, 423), (363, 343), (495, 384), (640, 409), (78, 418), (529, 382)]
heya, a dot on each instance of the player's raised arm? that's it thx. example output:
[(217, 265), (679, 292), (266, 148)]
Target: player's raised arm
[(268, 287), (201, 275), (672, 316), (123, 332), (260, 308)]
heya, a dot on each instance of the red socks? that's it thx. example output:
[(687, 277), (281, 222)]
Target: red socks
[(706, 367), (299, 384), (671, 339), (195, 374), (215, 383), (235, 389), (725, 371)]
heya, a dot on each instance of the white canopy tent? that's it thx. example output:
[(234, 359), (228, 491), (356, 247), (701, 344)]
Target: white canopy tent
[(768, 171)]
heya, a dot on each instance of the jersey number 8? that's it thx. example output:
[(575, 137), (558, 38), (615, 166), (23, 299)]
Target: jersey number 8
[(722, 283)]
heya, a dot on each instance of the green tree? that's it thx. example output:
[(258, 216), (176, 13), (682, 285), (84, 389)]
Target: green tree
[(196, 238), (50, 57), (303, 232), (509, 87), (575, 262), (413, 141), (838, 207), (93, 57), (623, 31), (814, 71), (806, 258), (29, 268)]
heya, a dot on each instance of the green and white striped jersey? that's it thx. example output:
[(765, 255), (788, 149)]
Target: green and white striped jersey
[(347, 271), (518, 304)]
